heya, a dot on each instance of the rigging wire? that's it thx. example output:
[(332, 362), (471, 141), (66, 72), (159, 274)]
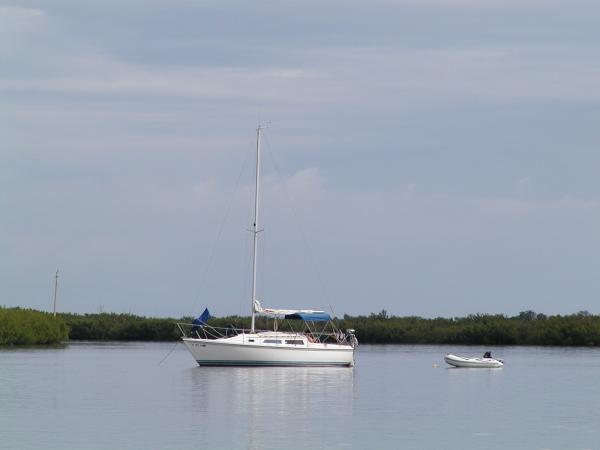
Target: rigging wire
[(203, 277), (312, 259), (263, 248), (246, 275), (248, 265), (264, 265), (169, 353)]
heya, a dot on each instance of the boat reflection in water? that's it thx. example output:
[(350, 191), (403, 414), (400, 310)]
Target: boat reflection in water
[(261, 403)]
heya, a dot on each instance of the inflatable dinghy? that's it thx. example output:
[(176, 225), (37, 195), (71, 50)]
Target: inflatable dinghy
[(485, 363)]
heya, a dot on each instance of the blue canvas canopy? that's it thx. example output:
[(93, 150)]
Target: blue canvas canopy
[(316, 316)]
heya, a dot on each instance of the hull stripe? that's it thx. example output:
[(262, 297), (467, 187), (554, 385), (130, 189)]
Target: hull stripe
[(268, 363), (209, 343)]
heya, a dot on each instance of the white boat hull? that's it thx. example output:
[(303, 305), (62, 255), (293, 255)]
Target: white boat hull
[(484, 363), (232, 352)]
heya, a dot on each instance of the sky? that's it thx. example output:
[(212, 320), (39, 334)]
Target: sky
[(426, 157)]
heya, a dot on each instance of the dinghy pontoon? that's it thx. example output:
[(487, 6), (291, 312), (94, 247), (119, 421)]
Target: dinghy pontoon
[(485, 363)]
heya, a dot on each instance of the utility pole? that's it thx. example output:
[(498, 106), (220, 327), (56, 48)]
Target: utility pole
[(55, 290)]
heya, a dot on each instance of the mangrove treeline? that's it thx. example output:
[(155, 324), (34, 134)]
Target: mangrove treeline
[(28, 327), (527, 328), (20, 326)]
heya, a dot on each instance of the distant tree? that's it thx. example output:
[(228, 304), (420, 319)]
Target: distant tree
[(527, 315), (381, 315)]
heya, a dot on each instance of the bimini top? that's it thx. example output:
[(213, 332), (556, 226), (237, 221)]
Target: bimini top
[(316, 316)]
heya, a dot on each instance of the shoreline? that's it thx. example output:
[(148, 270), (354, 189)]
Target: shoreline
[(26, 327)]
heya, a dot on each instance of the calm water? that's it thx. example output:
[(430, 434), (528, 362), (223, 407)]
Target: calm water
[(116, 396)]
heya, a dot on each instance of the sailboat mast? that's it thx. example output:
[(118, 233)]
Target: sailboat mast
[(55, 291), (255, 229)]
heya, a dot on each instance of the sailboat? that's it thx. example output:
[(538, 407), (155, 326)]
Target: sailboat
[(318, 344)]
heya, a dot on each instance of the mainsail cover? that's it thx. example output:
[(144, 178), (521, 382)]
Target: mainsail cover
[(295, 314)]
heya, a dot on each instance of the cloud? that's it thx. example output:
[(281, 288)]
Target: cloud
[(571, 203), (441, 155), (375, 75), (305, 180), (100, 76), (11, 13)]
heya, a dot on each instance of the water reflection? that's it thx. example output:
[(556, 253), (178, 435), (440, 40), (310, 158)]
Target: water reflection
[(261, 401), (99, 396)]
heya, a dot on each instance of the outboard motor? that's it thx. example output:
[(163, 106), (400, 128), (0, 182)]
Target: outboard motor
[(351, 338)]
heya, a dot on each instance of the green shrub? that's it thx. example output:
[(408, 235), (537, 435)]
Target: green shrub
[(29, 327)]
